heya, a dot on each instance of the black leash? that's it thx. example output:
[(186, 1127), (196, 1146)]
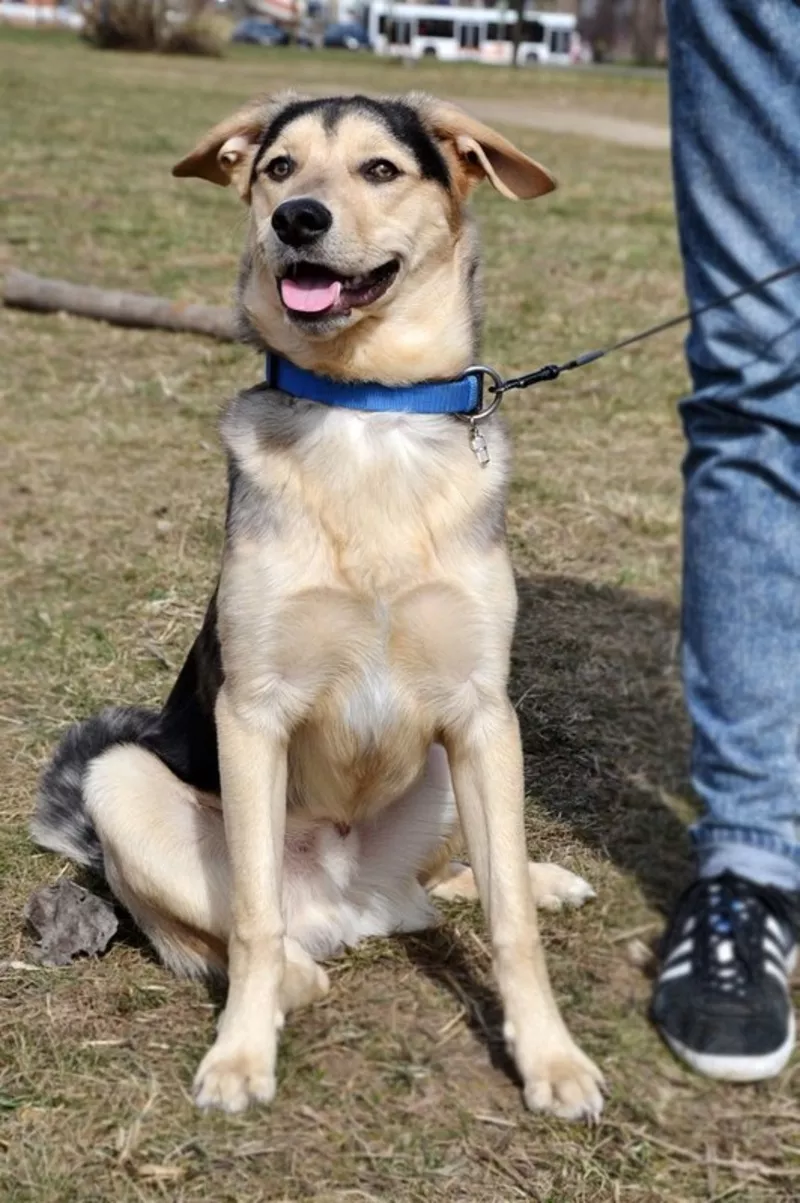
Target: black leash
[(551, 371)]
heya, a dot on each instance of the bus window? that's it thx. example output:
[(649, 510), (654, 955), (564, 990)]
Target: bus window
[(436, 29), (469, 37), (498, 33), (532, 31), (400, 33), (383, 23), (560, 41)]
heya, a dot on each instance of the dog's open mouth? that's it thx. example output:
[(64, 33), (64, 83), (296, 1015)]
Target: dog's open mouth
[(311, 290)]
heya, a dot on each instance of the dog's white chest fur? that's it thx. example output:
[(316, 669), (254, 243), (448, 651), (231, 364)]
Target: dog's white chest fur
[(371, 707), (372, 702)]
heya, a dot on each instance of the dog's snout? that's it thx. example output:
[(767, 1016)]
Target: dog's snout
[(301, 222)]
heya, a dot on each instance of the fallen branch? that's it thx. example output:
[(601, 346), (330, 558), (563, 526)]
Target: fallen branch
[(24, 291)]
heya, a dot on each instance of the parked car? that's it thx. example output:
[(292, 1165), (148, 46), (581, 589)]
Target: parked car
[(259, 33), (346, 36)]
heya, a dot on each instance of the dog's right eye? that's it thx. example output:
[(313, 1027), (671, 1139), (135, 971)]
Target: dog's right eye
[(380, 171), (279, 168)]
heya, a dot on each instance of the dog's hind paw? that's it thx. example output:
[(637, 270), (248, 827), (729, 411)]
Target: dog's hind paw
[(554, 887), (304, 982)]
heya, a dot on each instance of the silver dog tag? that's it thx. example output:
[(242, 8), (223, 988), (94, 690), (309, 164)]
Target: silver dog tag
[(480, 448)]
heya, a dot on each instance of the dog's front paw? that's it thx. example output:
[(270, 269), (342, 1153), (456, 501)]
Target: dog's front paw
[(230, 1078), (554, 887), (564, 1083)]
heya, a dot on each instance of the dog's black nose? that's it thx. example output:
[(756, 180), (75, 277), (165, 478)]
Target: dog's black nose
[(301, 222)]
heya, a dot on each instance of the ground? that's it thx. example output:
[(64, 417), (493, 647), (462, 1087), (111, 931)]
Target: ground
[(394, 1088)]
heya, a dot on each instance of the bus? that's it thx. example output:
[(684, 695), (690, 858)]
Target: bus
[(482, 35)]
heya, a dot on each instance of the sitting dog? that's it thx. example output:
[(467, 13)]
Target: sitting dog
[(345, 704)]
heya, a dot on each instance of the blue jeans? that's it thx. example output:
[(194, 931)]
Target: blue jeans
[(735, 87)]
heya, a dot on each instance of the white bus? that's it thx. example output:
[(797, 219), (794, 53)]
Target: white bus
[(483, 35)]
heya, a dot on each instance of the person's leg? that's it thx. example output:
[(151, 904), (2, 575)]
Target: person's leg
[(735, 81), (735, 75)]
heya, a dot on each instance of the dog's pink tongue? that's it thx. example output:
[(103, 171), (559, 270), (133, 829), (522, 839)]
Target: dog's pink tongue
[(310, 296)]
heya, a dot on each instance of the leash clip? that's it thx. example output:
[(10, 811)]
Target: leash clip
[(477, 439)]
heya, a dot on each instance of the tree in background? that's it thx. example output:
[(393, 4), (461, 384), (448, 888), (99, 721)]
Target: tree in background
[(601, 29), (624, 28), (167, 26), (516, 30), (648, 27)]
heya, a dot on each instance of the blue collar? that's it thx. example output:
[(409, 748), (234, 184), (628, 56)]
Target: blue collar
[(435, 397)]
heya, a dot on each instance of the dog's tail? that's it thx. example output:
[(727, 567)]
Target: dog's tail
[(61, 821)]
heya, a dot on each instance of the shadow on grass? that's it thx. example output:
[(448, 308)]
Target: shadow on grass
[(440, 955), (595, 682)]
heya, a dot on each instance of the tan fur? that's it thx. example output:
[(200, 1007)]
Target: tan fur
[(366, 610), (483, 153)]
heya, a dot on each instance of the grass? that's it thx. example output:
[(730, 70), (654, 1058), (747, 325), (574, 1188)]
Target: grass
[(394, 1087)]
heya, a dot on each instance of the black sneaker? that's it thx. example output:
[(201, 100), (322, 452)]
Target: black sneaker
[(722, 1000)]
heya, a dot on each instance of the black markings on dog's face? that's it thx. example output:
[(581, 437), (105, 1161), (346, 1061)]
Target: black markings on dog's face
[(399, 119)]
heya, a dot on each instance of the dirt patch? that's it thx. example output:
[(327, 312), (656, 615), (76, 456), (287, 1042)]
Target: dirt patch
[(571, 121)]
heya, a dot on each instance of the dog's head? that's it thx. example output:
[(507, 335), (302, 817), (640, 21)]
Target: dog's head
[(360, 262)]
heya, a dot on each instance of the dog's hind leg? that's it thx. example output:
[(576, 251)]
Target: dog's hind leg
[(166, 860), (164, 856)]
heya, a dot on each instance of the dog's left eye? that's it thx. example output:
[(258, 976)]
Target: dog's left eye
[(279, 168), (380, 171)]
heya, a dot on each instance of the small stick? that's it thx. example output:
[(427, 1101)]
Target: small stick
[(22, 290)]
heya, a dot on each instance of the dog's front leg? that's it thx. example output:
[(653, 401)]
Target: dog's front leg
[(486, 766), (240, 1066)]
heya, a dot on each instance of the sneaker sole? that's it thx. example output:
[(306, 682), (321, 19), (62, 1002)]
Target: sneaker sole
[(736, 1069)]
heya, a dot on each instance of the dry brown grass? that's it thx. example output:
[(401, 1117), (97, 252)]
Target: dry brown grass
[(114, 492)]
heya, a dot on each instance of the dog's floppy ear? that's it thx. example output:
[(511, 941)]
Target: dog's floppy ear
[(225, 154), (482, 153)]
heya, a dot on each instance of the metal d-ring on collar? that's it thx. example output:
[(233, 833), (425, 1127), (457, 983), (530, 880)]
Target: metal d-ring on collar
[(484, 411), (477, 441)]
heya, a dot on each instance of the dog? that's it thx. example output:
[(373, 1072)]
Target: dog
[(344, 706)]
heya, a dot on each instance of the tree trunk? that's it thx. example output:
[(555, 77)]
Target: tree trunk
[(603, 30), (518, 6), (646, 26)]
